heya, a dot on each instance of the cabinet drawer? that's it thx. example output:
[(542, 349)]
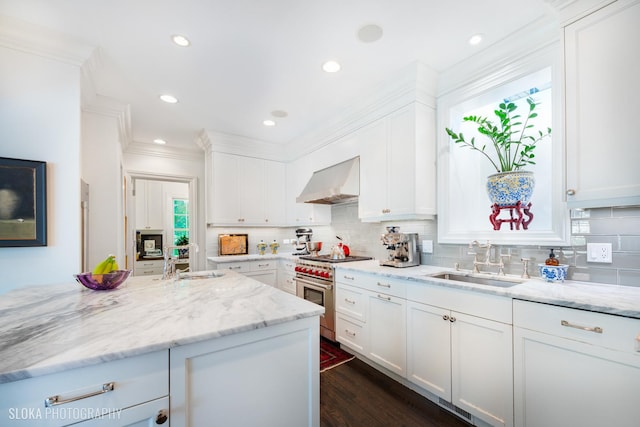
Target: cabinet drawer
[(240, 267), (350, 333), (604, 330), (351, 301), (373, 282), (78, 391), (263, 265)]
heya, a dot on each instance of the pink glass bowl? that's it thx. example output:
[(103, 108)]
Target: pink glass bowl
[(103, 282)]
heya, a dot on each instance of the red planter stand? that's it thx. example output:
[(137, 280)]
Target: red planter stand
[(520, 212)]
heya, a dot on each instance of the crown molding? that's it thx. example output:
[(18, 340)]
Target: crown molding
[(498, 59), (109, 107), (571, 10), (414, 83), (240, 145), (163, 151), (26, 37)]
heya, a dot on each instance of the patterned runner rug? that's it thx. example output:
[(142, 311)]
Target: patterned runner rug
[(331, 355)]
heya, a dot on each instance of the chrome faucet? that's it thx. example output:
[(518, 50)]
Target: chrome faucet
[(169, 267)]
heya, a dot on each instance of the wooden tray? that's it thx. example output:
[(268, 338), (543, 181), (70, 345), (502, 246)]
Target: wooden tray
[(233, 244)]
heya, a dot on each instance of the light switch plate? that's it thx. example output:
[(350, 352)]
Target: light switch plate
[(599, 252), (427, 246)]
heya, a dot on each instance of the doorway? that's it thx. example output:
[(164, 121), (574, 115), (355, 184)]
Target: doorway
[(161, 204)]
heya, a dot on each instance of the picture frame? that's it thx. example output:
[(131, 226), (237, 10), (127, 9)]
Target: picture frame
[(23, 203)]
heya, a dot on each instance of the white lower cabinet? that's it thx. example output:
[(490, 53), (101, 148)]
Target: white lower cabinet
[(287, 276), (148, 267), (371, 318), (118, 391), (265, 271), (463, 359), (267, 377), (574, 367)]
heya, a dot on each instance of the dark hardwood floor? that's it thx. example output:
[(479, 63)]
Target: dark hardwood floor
[(354, 394)]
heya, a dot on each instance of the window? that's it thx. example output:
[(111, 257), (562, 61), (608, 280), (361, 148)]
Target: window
[(180, 221), (463, 205)]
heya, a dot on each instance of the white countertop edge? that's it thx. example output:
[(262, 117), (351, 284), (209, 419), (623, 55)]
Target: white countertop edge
[(602, 298)]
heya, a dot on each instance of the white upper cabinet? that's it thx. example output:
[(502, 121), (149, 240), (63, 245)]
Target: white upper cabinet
[(397, 166), (602, 68), (149, 205), (246, 191)]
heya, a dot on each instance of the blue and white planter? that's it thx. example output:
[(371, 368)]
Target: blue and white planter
[(553, 273), (509, 188)]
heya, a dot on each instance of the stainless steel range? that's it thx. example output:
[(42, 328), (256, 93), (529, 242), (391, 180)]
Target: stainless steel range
[(315, 283)]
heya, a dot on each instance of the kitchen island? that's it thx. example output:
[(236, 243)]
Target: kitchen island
[(223, 350)]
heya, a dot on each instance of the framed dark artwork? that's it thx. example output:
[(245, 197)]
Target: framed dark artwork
[(23, 203)]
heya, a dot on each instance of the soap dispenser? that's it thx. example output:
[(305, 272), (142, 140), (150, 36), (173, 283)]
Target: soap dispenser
[(552, 260)]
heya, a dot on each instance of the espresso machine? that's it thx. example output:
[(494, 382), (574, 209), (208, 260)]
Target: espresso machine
[(402, 247), (303, 236)]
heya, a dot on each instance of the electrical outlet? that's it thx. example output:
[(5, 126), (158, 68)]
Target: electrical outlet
[(599, 252), (285, 241), (427, 246)]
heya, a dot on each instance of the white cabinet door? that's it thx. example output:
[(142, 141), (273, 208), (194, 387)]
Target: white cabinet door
[(268, 277), (397, 166), (298, 173), (481, 368), (225, 194), (429, 348), (372, 202), (275, 213), (149, 205), (575, 367), (386, 324), (601, 107), (247, 191), (264, 377)]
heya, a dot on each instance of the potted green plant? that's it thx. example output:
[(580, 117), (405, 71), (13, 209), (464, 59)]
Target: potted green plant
[(183, 240), (512, 144)]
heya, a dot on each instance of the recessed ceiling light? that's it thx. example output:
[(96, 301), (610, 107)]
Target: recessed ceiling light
[(159, 141), (279, 113), (169, 99), (180, 40), (269, 123), (475, 39), (331, 66), (370, 33)]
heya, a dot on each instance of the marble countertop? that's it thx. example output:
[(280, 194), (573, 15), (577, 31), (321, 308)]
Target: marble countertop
[(52, 328), (610, 299)]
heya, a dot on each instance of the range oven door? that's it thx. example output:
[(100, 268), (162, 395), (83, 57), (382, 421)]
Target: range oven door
[(321, 294)]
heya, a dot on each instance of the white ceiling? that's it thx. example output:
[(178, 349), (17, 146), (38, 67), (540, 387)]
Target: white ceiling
[(250, 57)]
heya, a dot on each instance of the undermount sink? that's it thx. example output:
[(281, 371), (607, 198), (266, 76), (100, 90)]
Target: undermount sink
[(500, 281)]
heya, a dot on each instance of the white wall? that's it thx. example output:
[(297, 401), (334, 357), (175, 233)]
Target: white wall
[(40, 120), (101, 160)]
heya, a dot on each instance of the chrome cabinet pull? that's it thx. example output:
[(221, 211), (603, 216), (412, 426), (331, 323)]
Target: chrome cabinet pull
[(349, 277), (349, 301), (384, 285), (445, 317), (55, 400), (384, 298), (452, 319), (596, 329), (348, 332), (571, 192)]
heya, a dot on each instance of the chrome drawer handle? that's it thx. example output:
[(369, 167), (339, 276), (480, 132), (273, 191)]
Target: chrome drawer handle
[(55, 400), (384, 298), (348, 332), (349, 301), (384, 285), (349, 278), (596, 329)]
